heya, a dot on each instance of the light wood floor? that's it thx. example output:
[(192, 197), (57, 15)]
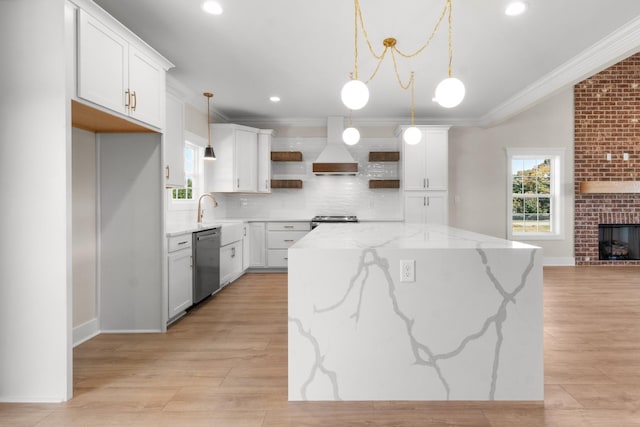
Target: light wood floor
[(225, 364)]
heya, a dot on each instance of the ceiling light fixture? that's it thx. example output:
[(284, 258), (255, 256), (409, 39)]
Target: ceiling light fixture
[(515, 8), (212, 7), (208, 152), (355, 93), (274, 99)]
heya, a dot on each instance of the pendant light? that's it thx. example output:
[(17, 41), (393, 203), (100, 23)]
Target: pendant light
[(450, 91), (208, 152), (351, 135), (412, 135)]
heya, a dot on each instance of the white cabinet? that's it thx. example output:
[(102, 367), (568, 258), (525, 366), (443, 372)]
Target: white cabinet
[(174, 143), (425, 182), (115, 73), (258, 237), (230, 262), (264, 160), (281, 236), (426, 163), (236, 165), (246, 246), (425, 207), (180, 275)]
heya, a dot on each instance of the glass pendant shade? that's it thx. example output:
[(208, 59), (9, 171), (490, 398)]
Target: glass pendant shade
[(209, 154), (355, 94), (412, 135), (449, 92), (351, 136)]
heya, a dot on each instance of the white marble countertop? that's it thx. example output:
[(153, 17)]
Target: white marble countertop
[(399, 235)]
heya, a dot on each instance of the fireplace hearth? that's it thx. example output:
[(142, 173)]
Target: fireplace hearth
[(619, 242)]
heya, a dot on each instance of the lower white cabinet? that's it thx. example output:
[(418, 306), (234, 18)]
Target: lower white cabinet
[(180, 275), (246, 246), (426, 207), (230, 262), (258, 249), (281, 236)]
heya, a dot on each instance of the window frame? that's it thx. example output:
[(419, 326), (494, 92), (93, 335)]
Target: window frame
[(556, 155), (197, 183)]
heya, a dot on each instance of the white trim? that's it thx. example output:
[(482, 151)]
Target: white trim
[(559, 261), (557, 193), (133, 331), (618, 45), (85, 332)]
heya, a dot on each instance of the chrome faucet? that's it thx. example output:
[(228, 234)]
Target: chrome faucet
[(200, 211)]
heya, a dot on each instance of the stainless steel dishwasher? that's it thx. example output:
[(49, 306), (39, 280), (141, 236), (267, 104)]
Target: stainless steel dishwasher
[(206, 262)]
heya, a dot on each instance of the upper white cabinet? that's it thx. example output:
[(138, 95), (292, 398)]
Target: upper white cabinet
[(264, 160), (236, 165), (426, 163), (118, 72), (174, 143)]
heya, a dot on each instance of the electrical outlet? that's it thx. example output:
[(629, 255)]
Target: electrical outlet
[(408, 270)]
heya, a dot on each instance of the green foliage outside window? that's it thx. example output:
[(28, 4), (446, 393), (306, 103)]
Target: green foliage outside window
[(531, 187), (184, 193)]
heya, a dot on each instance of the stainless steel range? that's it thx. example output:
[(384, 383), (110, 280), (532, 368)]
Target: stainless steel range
[(320, 219)]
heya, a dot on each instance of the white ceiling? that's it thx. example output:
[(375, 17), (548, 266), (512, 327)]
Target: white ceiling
[(302, 51)]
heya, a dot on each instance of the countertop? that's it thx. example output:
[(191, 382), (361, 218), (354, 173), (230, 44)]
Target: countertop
[(399, 235)]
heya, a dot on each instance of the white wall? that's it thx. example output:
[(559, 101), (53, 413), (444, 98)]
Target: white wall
[(130, 222), (478, 168), (35, 156), (84, 233)]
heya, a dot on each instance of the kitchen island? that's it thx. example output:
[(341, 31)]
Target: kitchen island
[(468, 327)]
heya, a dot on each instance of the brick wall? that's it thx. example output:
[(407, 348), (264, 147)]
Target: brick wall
[(607, 120)]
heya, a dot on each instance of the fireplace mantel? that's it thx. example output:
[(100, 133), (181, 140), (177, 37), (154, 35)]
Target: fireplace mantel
[(610, 187)]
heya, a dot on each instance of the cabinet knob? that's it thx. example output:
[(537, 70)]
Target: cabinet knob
[(167, 172)]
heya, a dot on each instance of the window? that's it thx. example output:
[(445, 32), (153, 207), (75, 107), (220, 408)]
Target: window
[(534, 189), (193, 176)]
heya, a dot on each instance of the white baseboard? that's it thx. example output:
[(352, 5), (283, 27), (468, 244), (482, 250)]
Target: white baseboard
[(85, 332), (559, 261), (132, 331)]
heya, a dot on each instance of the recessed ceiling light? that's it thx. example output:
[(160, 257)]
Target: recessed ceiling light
[(515, 8), (212, 7), (274, 99)]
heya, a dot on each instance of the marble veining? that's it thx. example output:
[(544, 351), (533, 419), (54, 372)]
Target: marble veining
[(422, 352)]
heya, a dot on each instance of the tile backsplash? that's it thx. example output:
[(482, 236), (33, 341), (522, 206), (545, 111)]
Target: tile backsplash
[(324, 195)]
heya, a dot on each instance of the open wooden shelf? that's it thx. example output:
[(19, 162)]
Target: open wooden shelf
[(610, 187), (286, 156), (384, 183), (384, 156), (286, 183)]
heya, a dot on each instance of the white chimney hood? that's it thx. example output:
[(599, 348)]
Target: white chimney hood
[(335, 159)]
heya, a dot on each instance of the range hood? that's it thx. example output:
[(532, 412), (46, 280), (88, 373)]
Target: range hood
[(335, 159)]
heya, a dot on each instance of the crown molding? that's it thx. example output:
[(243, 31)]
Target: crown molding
[(360, 121), (620, 44)]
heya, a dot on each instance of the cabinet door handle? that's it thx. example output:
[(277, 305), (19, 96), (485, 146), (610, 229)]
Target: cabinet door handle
[(424, 182), (244, 231), (134, 100), (427, 182), (191, 261), (127, 100), (288, 226), (233, 252), (424, 201), (238, 183), (428, 200), (288, 240), (266, 184), (167, 172), (183, 243)]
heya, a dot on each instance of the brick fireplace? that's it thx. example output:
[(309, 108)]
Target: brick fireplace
[(607, 121)]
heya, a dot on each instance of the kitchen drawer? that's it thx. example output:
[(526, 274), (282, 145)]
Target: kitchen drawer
[(283, 239), (288, 226), (277, 258), (182, 241)]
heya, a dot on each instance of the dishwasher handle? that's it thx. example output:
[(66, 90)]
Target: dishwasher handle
[(208, 236)]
